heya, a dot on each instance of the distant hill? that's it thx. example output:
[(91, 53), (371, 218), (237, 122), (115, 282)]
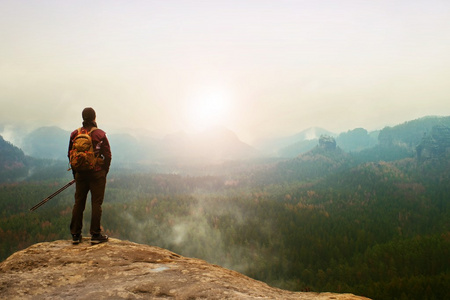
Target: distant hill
[(401, 141), (47, 142), (425, 138), (293, 145), (435, 144), (409, 134), (389, 144), (324, 158), (220, 144), (213, 146), (357, 139), (351, 141), (13, 163)]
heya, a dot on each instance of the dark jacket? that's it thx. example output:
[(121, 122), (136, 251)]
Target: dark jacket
[(101, 147)]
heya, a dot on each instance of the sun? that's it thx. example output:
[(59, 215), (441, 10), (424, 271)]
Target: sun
[(207, 110)]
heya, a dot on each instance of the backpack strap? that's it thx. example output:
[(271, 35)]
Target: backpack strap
[(89, 132), (92, 129), (78, 133)]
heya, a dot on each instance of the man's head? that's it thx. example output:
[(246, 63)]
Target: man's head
[(88, 114)]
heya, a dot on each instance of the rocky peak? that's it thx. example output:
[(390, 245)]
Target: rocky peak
[(327, 142), (125, 270), (435, 144)]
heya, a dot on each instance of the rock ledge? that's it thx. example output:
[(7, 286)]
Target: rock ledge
[(125, 270)]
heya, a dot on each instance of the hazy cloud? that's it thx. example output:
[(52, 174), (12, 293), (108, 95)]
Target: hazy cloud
[(287, 65)]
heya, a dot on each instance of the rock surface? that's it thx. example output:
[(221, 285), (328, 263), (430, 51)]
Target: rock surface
[(125, 270)]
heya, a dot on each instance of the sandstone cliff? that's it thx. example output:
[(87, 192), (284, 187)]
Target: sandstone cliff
[(125, 270)]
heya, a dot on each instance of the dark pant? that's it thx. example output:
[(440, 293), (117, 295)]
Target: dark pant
[(95, 182)]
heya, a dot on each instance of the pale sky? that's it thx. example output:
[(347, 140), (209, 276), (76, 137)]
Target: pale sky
[(258, 67)]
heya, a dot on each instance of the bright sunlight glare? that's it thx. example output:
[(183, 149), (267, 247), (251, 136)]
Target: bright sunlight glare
[(207, 110)]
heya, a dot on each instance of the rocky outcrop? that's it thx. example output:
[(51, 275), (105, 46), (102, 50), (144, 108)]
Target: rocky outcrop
[(436, 144), (327, 142), (125, 270)]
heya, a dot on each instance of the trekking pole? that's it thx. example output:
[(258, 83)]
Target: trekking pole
[(52, 195)]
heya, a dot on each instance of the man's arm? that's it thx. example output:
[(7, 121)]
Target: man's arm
[(105, 151), (68, 151)]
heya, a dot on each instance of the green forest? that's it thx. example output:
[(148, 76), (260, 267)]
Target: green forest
[(374, 223), (378, 229)]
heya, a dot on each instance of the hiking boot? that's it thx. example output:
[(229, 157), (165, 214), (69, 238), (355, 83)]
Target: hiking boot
[(76, 239), (99, 238)]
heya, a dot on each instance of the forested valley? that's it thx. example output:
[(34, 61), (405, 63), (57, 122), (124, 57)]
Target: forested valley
[(374, 223), (379, 229)]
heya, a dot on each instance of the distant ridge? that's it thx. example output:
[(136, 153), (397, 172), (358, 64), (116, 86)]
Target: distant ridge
[(220, 144), (215, 145), (212, 146), (13, 163), (292, 145), (47, 142)]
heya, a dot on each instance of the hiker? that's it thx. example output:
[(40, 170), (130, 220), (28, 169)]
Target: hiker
[(89, 174)]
